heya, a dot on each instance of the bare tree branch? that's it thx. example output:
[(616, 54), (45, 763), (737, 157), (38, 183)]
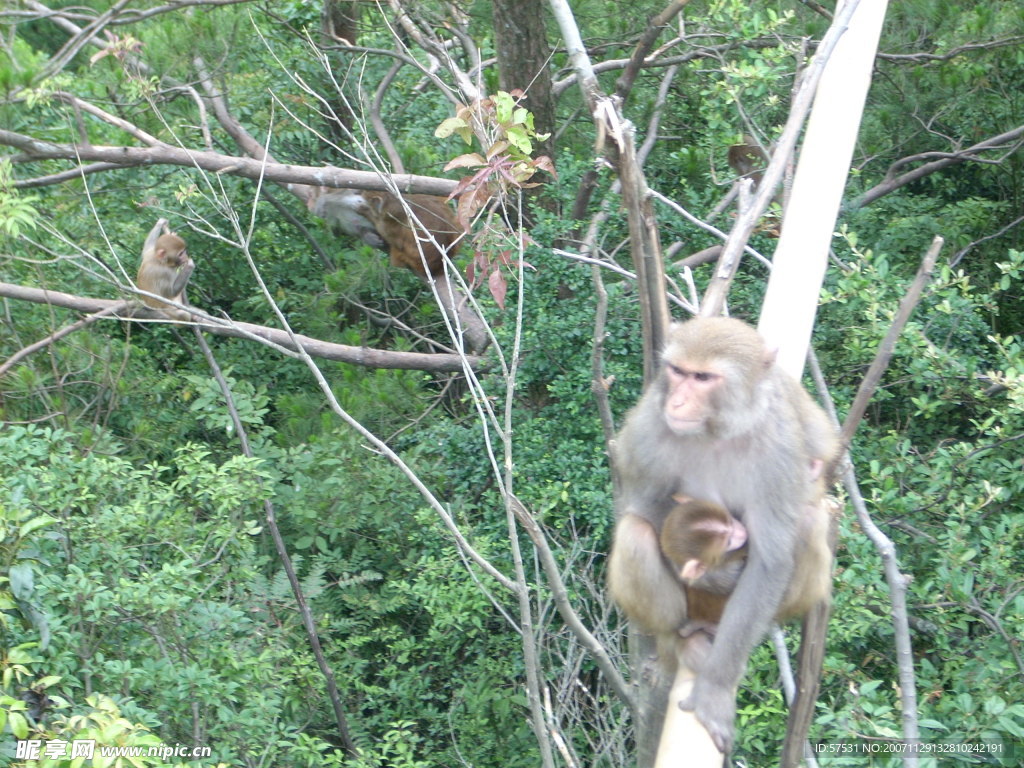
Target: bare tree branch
[(885, 349), (636, 62), (127, 16), (130, 157), (365, 356), (654, 60), (561, 597), (308, 622), (955, 258), (1014, 138), (952, 53), (24, 352)]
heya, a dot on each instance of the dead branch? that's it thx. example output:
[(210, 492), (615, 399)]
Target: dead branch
[(698, 258), (287, 563), (126, 16), (952, 53), (1014, 137), (885, 349), (67, 330), (281, 340), (653, 61), (560, 595), (378, 122), (897, 582), (955, 258), (643, 47), (33, 149)]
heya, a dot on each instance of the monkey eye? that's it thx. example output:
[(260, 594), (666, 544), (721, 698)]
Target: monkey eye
[(682, 373)]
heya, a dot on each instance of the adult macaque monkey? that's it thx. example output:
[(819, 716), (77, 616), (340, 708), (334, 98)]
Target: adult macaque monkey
[(721, 422), (165, 270), (419, 242), (379, 219)]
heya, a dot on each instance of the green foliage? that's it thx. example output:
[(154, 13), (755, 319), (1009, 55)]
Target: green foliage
[(138, 578), (140, 595), (941, 455), (19, 65), (104, 725), (17, 212)]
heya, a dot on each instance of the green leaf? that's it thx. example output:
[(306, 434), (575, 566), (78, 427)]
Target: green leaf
[(450, 126), (35, 524), (19, 725)]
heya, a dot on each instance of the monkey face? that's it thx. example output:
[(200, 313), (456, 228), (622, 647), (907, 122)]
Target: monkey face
[(689, 396), (713, 370)]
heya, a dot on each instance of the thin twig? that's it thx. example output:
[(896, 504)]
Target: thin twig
[(885, 349), (286, 561), (21, 354), (560, 595)]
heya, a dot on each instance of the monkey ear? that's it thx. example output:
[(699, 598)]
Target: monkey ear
[(770, 354), (692, 570), (680, 498), (376, 202)]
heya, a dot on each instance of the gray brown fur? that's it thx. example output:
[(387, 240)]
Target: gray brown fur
[(380, 219), (165, 270), (754, 454), (682, 539)]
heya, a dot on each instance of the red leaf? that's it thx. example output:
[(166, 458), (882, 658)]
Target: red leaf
[(499, 286)]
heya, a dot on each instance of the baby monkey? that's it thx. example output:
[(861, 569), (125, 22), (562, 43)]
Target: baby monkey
[(165, 270), (701, 539), (700, 536)]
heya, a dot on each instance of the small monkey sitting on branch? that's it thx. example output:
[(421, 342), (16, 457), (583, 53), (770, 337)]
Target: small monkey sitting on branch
[(164, 271)]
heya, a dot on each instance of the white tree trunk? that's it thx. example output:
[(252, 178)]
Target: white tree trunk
[(685, 743), (790, 303)]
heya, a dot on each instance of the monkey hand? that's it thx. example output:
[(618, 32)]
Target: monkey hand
[(693, 626), (715, 707)]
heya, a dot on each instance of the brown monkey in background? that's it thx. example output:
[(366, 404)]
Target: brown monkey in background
[(721, 422), (379, 219), (337, 208), (165, 270), (748, 159)]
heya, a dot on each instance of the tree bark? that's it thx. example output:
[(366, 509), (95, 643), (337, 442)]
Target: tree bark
[(367, 356), (339, 23), (524, 58)]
